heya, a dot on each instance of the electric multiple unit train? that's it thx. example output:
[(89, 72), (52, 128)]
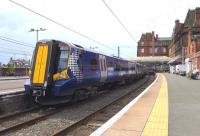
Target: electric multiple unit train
[(63, 72)]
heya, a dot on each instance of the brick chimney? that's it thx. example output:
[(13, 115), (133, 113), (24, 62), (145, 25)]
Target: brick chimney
[(197, 16), (177, 25), (156, 36), (176, 21)]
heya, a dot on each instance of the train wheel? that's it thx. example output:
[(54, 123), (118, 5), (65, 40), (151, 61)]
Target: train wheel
[(76, 96), (93, 93), (80, 95)]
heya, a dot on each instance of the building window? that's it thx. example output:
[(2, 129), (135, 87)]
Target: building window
[(150, 50), (142, 50), (164, 50), (142, 43), (156, 50)]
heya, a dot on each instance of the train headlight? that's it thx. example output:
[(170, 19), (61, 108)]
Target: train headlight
[(45, 84), (29, 73), (27, 82)]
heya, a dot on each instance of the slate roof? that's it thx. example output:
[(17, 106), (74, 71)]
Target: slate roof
[(190, 19)]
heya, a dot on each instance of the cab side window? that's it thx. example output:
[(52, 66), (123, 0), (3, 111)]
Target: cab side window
[(93, 63)]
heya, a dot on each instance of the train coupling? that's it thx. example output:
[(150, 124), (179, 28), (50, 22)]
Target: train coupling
[(39, 90)]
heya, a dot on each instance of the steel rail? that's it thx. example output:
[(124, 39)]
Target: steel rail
[(9, 116), (70, 128), (28, 123)]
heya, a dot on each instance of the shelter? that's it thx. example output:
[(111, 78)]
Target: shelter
[(155, 63)]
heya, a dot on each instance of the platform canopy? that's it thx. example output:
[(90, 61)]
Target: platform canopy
[(158, 59), (176, 60)]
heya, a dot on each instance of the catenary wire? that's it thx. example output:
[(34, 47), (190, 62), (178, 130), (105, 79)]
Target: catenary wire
[(22, 51), (8, 52), (125, 28), (16, 41), (49, 19)]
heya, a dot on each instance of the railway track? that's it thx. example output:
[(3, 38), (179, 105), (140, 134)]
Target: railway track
[(14, 115), (26, 123), (11, 94), (90, 120)]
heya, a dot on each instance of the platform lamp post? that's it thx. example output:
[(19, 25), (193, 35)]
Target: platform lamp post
[(37, 30), (26, 66)]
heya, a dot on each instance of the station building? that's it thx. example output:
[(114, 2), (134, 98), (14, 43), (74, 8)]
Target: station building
[(151, 45), (152, 52), (185, 45), (154, 63)]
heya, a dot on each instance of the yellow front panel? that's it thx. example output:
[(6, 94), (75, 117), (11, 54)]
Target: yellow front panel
[(40, 64), (37, 64), (43, 64)]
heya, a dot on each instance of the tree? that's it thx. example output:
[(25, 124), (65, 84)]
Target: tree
[(11, 69)]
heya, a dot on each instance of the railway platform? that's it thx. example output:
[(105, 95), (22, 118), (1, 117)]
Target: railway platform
[(11, 85), (2, 78), (169, 106), (11, 91)]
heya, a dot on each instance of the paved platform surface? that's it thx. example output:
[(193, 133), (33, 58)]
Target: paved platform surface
[(184, 103), (13, 77), (11, 91), (11, 86), (171, 106)]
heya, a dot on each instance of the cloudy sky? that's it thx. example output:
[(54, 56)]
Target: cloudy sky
[(90, 18)]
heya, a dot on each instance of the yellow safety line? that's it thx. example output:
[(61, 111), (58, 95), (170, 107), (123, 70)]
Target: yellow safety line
[(157, 124)]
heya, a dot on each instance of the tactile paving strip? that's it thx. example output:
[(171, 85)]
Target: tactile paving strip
[(157, 124)]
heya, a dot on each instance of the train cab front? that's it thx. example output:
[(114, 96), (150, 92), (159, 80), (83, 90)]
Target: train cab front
[(49, 63)]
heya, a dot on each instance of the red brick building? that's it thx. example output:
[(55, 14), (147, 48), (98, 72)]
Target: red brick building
[(178, 42), (151, 45), (186, 39), (193, 52)]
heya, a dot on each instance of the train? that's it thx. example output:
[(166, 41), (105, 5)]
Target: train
[(62, 72)]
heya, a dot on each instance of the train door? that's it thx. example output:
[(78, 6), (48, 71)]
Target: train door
[(103, 68)]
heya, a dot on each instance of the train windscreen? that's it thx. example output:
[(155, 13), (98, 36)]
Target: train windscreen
[(62, 59)]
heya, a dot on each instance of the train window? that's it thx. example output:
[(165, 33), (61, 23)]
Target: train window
[(133, 68), (80, 62), (102, 62), (93, 63), (117, 67), (104, 65), (62, 59), (110, 63)]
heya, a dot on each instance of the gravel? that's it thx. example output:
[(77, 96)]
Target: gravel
[(23, 118), (73, 113)]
